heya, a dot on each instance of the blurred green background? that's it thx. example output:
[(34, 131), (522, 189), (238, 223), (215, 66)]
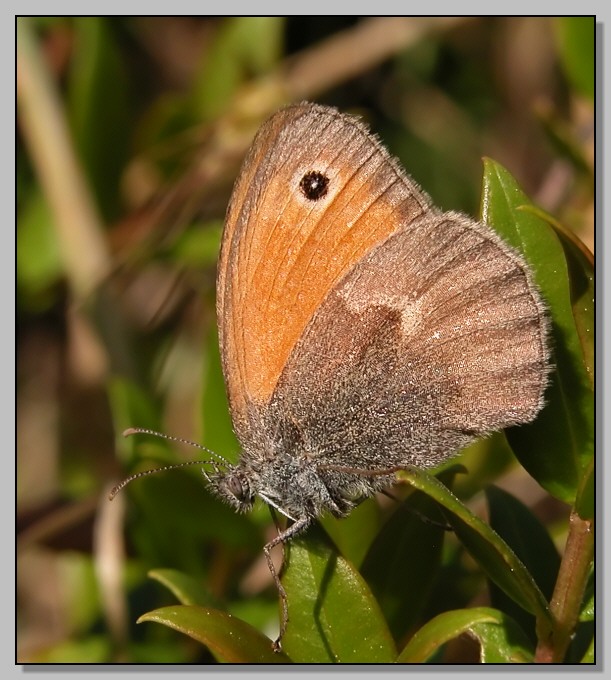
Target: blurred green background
[(131, 131)]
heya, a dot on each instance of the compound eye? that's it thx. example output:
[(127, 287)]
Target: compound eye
[(235, 488)]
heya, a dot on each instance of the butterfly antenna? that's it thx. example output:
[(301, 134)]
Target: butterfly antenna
[(180, 440), (144, 473)]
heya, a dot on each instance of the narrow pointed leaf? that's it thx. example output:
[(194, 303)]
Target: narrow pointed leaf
[(404, 560), (557, 446), (229, 638), (520, 529), (530, 540), (495, 557), (186, 589), (501, 639), (580, 263)]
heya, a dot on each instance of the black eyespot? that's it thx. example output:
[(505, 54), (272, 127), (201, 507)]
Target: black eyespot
[(314, 185)]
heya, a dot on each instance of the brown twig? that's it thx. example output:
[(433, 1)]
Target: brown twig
[(568, 593), (356, 50)]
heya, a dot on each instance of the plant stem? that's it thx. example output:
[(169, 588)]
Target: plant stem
[(568, 593)]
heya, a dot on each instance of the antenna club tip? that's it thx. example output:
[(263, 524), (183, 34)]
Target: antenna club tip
[(129, 431)]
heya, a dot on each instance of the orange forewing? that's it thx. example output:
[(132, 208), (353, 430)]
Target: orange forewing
[(281, 254)]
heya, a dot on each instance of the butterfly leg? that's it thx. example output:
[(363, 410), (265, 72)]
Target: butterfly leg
[(283, 537)]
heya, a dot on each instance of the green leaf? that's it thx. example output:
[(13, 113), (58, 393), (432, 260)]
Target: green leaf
[(189, 590), (501, 639), (586, 495), (530, 540), (590, 655), (516, 525), (333, 617), (495, 557), (229, 638), (580, 263), (502, 643), (186, 589), (557, 446), (576, 43), (589, 601), (404, 560)]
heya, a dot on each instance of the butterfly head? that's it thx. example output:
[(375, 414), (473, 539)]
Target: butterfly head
[(233, 486)]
